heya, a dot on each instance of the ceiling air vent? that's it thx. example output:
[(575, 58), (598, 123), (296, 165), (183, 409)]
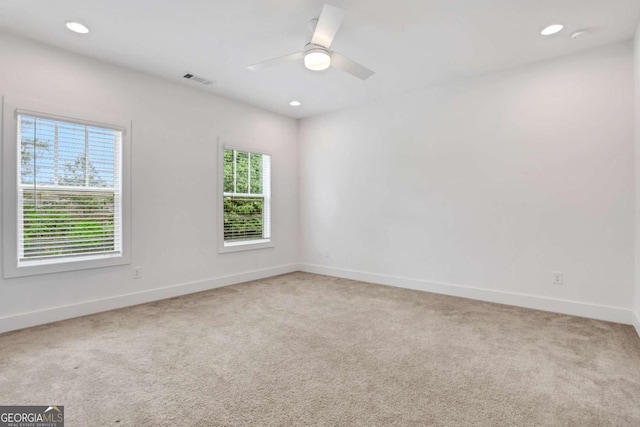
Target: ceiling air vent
[(198, 79)]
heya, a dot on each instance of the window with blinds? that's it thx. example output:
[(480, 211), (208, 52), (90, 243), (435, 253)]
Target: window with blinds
[(246, 197), (69, 190)]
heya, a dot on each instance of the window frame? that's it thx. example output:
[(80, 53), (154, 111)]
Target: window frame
[(11, 181), (246, 245)]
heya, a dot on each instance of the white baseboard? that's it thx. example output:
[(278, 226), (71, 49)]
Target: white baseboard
[(25, 320), (594, 311), (574, 308), (636, 322)]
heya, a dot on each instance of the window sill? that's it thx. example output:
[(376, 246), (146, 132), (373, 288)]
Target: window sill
[(35, 267), (247, 245)]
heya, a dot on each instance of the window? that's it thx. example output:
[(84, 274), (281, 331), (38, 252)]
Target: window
[(68, 206), (246, 199)]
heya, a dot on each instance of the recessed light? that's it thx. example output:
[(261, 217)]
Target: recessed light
[(578, 34), (552, 29), (295, 103), (77, 27)]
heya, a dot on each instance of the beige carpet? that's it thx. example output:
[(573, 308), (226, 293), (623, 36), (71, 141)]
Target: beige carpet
[(302, 349)]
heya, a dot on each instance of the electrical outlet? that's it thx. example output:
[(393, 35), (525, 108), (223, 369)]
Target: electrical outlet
[(557, 278), (327, 254), (137, 272)]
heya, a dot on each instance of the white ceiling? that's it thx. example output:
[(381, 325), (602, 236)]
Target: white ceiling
[(409, 43)]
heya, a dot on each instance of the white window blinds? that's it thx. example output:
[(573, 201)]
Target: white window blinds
[(69, 190), (246, 196)]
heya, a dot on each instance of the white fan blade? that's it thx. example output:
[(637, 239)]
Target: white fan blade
[(348, 66), (276, 61), (328, 24)]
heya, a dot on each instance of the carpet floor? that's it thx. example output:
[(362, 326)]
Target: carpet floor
[(303, 349)]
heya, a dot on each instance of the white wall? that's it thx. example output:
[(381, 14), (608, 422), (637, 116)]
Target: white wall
[(637, 164), (490, 183), (174, 183)]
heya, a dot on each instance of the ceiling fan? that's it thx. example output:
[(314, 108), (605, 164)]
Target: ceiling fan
[(317, 54)]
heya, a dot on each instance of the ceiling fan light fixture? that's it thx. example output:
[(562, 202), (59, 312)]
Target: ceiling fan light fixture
[(317, 59)]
